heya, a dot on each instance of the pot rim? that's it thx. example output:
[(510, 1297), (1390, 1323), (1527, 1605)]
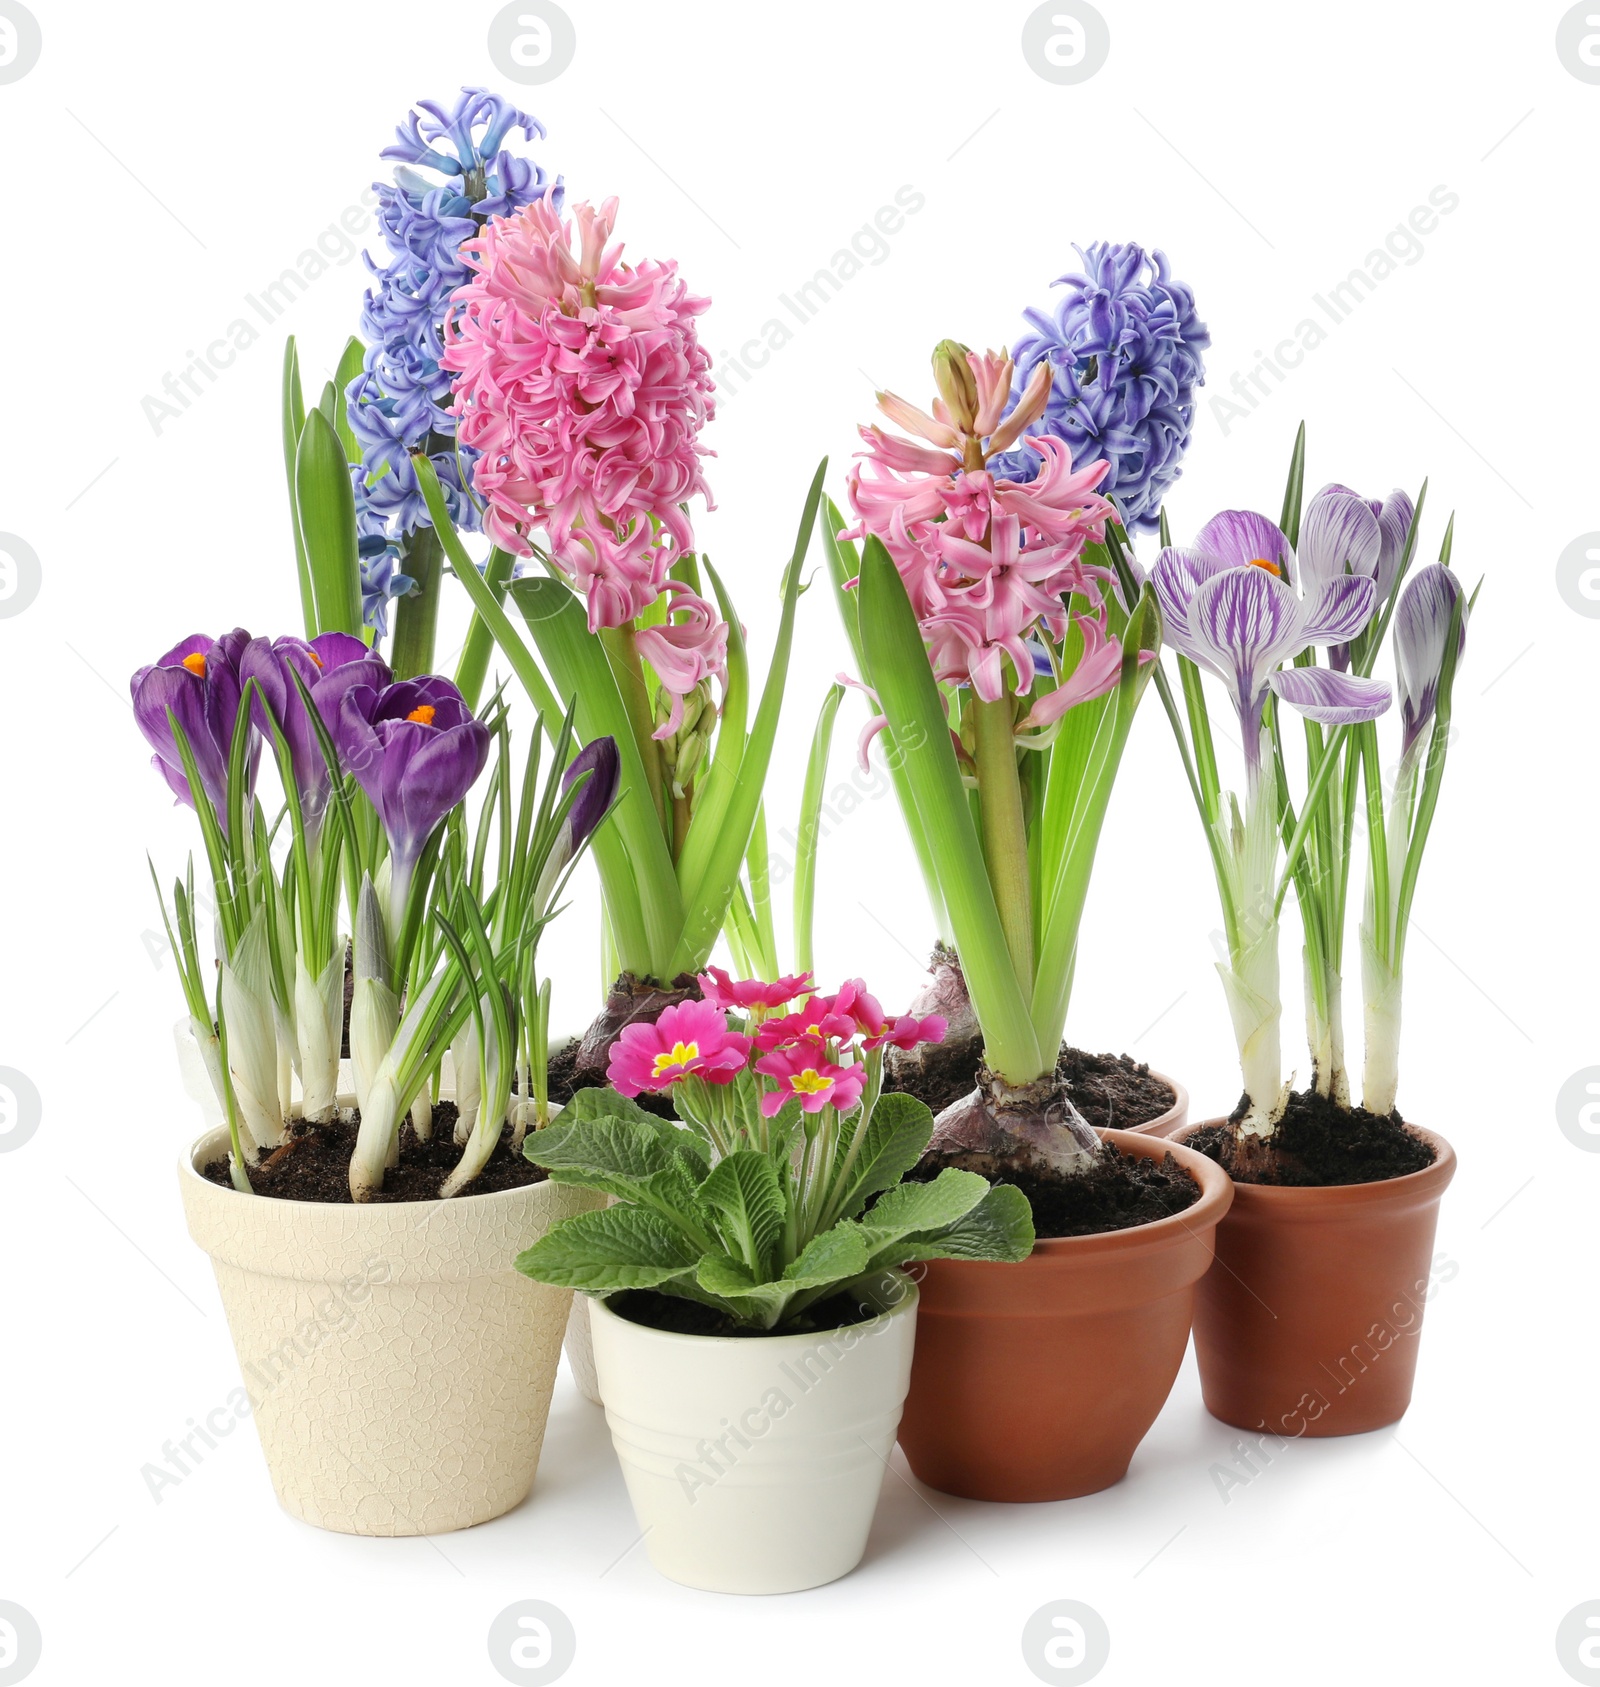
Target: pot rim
[(1216, 1196), (905, 1305), (1426, 1182), (188, 1167), (1180, 1101)]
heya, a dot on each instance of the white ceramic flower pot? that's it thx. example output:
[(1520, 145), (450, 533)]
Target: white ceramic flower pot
[(399, 1369), (754, 1463)]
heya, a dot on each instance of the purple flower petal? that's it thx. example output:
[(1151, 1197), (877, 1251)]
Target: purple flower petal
[(1394, 523), (1246, 621), (1339, 535), (1339, 610), (1241, 536), (598, 759), (1421, 628), (1333, 698), (1176, 577)]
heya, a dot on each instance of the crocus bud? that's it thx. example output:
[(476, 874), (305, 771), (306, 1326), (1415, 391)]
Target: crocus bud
[(957, 385), (600, 761)]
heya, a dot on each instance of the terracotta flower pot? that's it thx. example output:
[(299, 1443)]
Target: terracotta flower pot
[(754, 1462), (1310, 1322), (1037, 1381), (1175, 1117), (398, 1368)]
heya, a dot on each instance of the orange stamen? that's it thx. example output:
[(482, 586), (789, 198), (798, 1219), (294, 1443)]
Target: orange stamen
[(423, 713), (196, 664), (1271, 567)]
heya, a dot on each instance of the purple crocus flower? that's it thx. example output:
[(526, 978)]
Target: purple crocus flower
[(1421, 631), (1393, 516), (1343, 532), (330, 664), (1231, 604), (415, 749), (198, 680)]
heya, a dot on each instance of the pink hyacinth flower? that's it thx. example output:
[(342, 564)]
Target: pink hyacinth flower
[(582, 381), (685, 651), (690, 1039), (985, 562)]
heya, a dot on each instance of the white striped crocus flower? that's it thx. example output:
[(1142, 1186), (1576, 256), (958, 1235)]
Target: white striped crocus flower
[(1239, 605)]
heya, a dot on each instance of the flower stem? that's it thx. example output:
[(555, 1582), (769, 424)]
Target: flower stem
[(623, 652), (416, 616), (1005, 831), (474, 664)]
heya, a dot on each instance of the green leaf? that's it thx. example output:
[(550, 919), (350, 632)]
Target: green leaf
[(293, 419), (580, 669), (743, 1188), (1078, 796), (829, 1258), (1000, 1227), (833, 1257), (810, 827), (706, 902), (619, 1248), (350, 364), (897, 1136), (623, 1148), (843, 565), (909, 697), (1289, 520), (606, 1103), (921, 1207), (714, 792), (327, 510), (622, 1157), (624, 914)]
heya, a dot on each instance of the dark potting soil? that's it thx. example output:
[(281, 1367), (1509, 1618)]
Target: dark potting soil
[(1111, 1091), (1320, 1146), (1121, 1191), (681, 1317), (313, 1164)]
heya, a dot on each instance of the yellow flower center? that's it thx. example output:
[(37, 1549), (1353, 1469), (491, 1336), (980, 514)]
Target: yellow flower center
[(809, 1082), (1271, 567), (680, 1054), (196, 664), (423, 713)]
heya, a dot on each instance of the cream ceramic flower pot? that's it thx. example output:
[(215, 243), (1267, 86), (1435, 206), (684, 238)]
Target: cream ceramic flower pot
[(399, 1369), (754, 1463), (579, 1349)]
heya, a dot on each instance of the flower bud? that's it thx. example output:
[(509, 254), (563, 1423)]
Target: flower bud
[(957, 385)]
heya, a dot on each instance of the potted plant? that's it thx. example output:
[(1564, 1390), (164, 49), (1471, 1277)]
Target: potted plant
[(753, 1328), (579, 392), (1109, 372), (1335, 1206), (399, 1371), (1008, 664)]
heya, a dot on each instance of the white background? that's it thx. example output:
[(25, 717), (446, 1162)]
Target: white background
[(161, 161)]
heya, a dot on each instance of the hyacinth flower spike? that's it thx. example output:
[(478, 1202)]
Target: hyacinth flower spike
[(582, 387), (1002, 654)]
